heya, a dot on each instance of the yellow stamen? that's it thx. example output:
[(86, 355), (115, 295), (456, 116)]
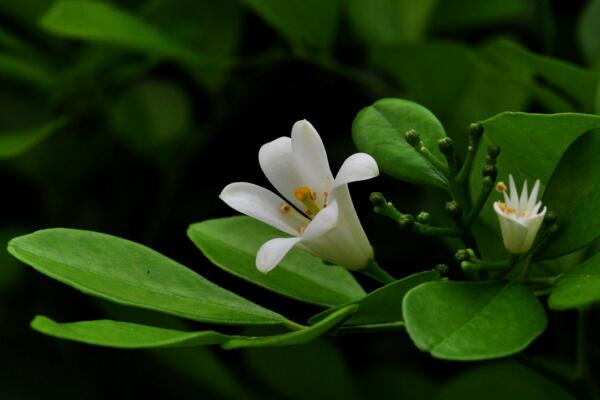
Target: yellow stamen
[(501, 187), (285, 208), (307, 197), (506, 209)]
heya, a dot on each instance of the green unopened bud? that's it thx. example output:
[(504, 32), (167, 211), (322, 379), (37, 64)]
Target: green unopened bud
[(550, 218), (377, 199), (475, 131), (406, 221), (453, 208), (461, 255), (423, 217), (491, 171), (442, 269), (488, 183), (413, 138), (446, 145), (493, 151)]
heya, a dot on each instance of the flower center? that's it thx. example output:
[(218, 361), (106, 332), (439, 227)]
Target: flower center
[(506, 209), (308, 198)]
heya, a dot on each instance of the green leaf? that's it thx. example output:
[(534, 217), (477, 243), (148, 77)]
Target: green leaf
[(472, 320), (124, 335), (26, 71), (104, 23), (466, 14), (578, 287), (316, 370), (588, 32), (573, 194), (306, 22), (301, 336), (384, 22), (384, 304), (379, 130), (532, 145), (128, 273), (553, 77), (13, 144), (502, 380), (232, 244)]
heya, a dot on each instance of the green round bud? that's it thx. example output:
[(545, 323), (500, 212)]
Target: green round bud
[(446, 145), (461, 255), (406, 221), (488, 182), (413, 138), (475, 130), (377, 199), (453, 208), (423, 217), (442, 269), (493, 151), (491, 171), (468, 266)]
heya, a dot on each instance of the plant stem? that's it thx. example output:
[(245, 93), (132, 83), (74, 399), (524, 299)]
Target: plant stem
[(476, 209), (374, 271), (369, 328), (463, 174)]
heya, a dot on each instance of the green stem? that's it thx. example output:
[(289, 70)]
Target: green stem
[(424, 151), (477, 207), (294, 325), (435, 230), (369, 328), (468, 164), (374, 271)]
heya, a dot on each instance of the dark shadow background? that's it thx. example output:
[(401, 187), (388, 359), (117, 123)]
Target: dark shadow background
[(111, 170)]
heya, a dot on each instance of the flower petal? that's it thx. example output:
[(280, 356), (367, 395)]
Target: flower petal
[(311, 160), (357, 167), (325, 221), (273, 251), (534, 195), (277, 163), (514, 194), (264, 205), (524, 199)]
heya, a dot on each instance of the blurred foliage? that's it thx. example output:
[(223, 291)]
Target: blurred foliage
[(129, 117)]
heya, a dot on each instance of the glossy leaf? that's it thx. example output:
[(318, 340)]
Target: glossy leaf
[(466, 14), (13, 144), (316, 370), (301, 336), (124, 335), (307, 22), (578, 287), (383, 22), (232, 244), (128, 273), (531, 144), (573, 193), (104, 23), (502, 380), (384, 304), (472, 320), (379, 130)]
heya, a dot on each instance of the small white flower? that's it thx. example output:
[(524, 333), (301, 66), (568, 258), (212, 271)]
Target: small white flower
[(318, 213), (520, 217)]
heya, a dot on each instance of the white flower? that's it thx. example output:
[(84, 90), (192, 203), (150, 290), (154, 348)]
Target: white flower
[(520, 217), (318, 213)]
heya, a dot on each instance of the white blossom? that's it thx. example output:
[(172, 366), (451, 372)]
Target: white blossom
[(317, 211)]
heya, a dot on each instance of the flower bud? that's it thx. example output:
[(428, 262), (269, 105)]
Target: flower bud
[(453, 209), (491, 171), (377, 199), (475, 131), (442, 269), (488, 183), (462, 255), (423, 217), (413, 138), (406, 221), (446, 145), (493, 151)]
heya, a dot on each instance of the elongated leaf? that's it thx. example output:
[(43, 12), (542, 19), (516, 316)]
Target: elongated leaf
[(124, 335), (131, 274), (384, 304), (308, 22), (573, 193), (129, 335), (578, 287), (316, 370), (301, 336), (232, 244), (465, 14), (502, 380), (13, 144), (472, 320), (531, 144), (101, 22), (25, 71), (379, 130)]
